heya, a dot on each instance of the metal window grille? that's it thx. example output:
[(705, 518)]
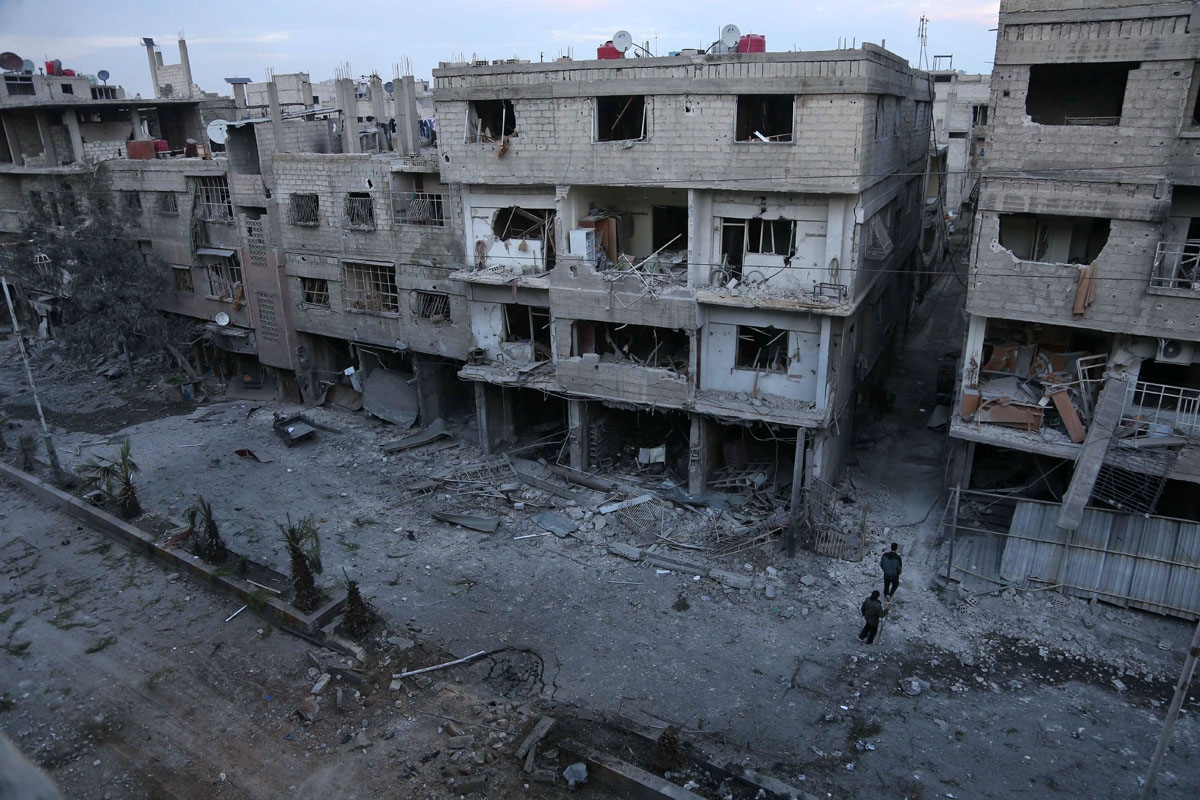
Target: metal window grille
[(168, 203), (432, 306), (268, 320), (182, 278), (418, 208), (304, 209), (371, 287), (225, 279), (212, 199), (316, 291), (1177, 265), (133, 200), (360, 211)]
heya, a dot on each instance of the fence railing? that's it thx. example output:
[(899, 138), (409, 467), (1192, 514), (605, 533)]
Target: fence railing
[(1175, 265), (1156, 409)]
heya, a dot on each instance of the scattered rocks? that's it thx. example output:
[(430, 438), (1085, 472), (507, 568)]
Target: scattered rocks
[(807, 580)]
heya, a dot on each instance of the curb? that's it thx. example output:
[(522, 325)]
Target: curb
[(276, 610)]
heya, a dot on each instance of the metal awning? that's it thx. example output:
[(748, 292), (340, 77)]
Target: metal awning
[(214, 251), (226, 330)]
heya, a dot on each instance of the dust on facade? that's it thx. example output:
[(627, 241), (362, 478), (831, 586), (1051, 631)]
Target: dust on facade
[(699, 262)]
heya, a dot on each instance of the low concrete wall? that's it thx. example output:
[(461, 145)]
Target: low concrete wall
[(276, 610)]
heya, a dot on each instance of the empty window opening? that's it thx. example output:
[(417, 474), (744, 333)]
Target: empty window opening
[(19, 84), (620, 118), (67, 88), (212, 199), (1053, 239), (773, 237), (166, 203), (315, 291), (360, 211), (304, 209), (433, 306), (490, 120), (1177, 264), (958, 134), (765, 117), (225, 279), (733, 248), (515, 222), (643, 345), (104, 93), (979, 115), (181, 278), (241, 145), (1077, 94), (132, 201), (763, 349), (371, 287), (669, 227), (528, 324)]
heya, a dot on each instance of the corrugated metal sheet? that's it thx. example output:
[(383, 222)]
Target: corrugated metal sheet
[(1151, 563)]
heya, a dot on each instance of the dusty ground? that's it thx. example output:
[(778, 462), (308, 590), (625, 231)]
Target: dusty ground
[(1018, 695)]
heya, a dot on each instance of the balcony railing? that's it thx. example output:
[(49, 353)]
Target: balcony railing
[(1175, 265), (1155, 409)]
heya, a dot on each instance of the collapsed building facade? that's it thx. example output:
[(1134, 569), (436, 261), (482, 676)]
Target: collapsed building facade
[(697, 261), (1080, 384)]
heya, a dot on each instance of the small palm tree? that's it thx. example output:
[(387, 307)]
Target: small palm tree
[(103, 473), (304, 553), (356, 617), (204, 534)]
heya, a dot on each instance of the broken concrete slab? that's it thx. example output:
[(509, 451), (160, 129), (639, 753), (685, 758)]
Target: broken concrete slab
[(389, 396), (471, 521), (543, 726), (435, 431), (556, 523)]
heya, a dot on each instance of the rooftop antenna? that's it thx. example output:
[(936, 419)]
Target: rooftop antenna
[(923, 38)]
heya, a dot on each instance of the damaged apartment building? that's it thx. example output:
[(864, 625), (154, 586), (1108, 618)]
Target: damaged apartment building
[(1080, 384), (695, 260)]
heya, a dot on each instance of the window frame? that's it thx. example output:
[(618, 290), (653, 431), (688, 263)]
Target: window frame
[(361, 279)]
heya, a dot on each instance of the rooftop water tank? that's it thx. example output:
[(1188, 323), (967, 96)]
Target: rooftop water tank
[(752, 43), (608, 51)]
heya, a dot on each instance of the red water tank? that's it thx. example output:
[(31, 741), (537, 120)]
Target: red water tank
[(50, 68), (140, 149), (607, 51), (161, 146), (752, 43), (68, 73)]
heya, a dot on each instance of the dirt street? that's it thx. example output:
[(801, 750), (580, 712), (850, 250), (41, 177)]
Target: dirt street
[(113, 660)]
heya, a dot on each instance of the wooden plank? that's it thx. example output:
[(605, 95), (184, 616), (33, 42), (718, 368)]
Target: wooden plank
[(628, 780), (538, 733), (1070, 417)]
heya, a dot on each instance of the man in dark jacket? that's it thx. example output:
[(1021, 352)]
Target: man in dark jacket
[(872, 611), (892, 566)]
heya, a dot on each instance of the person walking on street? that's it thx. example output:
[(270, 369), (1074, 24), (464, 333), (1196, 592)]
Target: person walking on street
[(872, 611), (892, 566)]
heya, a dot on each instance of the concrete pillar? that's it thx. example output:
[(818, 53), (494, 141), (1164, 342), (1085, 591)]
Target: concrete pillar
[(698, 458), (187, 68), (791, 535), (14, 144), (239, 95), (408, 120), (493, 411), (276, 116), (48, 152), (136, 118), (153, 65), (577, 434), (822, 400), (346, 102), (380, 114), (71, 116)]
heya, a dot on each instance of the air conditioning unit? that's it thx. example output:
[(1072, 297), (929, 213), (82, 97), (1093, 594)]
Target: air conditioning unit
[(1173, 351)]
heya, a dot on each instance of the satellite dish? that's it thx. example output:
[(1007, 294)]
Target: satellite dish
[(103, 75), (221, 318), (730, 35), (218, 131), (387, 87), (622, 40), (27, 65), (10, 61)]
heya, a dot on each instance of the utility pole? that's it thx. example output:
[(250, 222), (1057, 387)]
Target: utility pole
[(53, 456), (1181, 690)]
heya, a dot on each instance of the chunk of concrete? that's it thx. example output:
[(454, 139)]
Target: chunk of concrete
[(731, 579), (625, 551)]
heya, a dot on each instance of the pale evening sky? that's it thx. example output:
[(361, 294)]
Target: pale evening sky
[(227, 39)]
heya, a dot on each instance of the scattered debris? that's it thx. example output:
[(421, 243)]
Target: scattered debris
[(471, 521)]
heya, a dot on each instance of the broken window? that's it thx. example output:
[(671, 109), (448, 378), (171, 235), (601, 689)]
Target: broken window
[(304, 209), (774, 237), (1077, 94), (528, 324), (212, 199), (644, 345), (515, 222), (19, 84), (669, 227), (315, 291), (490, 120), (419, 208), (878, 240), (765, 118), (434, 306), (360, 211), (181, 277), (371, 287), (763, 349), (979, 116), (225, 279), (1054, 239), (132, 201), (166, 203), (620, 118), (1177, 264)]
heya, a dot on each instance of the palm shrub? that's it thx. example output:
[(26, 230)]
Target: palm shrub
[(105, 474), (356, 617), (205, 535), (304, 554)]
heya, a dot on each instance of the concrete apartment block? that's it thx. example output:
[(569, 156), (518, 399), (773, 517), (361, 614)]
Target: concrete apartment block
[(1084, 257), (961, 109), (701, 250)]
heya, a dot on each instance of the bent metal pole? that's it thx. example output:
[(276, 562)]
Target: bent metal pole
[(53, 456)]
